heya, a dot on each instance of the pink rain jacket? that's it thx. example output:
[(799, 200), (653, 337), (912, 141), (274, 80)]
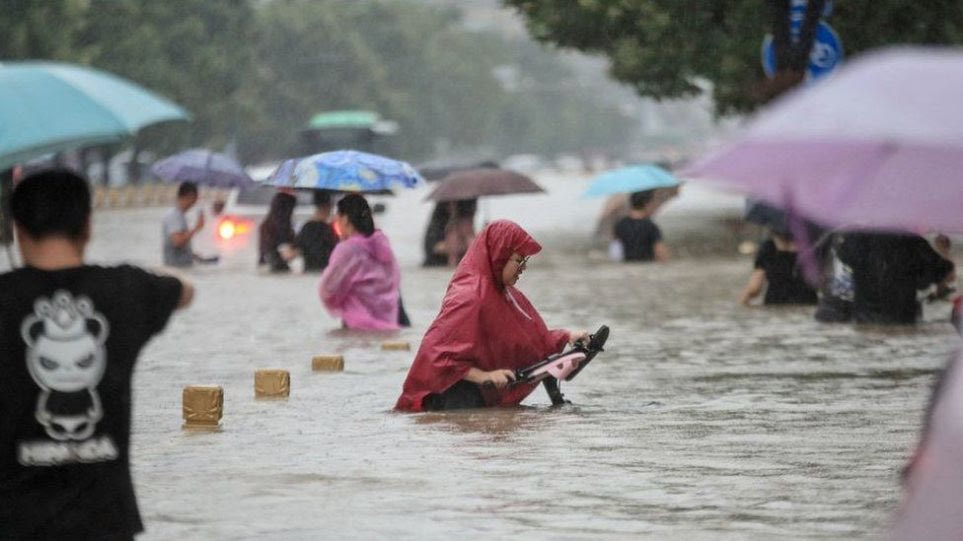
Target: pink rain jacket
[(482, 324), (361, 283)]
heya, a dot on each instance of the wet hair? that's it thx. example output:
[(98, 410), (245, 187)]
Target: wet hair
[(277, 222), (638, 200), (52, 203), (783, 233), (281, 209), (441, 214), (187, 188), (356, 208), (321, 198), (465, 208)]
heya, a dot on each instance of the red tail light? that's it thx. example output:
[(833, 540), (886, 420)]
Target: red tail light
[(226, 229), (230, 227)]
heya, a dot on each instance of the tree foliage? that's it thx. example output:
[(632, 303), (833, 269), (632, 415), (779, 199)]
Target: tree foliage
[(667, 48), (417, 66), (254, 71)]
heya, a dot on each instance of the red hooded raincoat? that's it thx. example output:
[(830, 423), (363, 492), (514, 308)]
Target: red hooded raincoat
[(482, 324)]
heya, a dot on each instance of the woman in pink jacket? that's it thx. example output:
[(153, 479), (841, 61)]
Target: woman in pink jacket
[(361, 282)]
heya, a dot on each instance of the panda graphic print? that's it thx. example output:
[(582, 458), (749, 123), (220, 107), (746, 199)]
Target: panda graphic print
[(66, 358)]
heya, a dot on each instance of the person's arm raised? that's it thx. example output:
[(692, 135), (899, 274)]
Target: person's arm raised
[(180, 238), (187, 293), (187, 287)]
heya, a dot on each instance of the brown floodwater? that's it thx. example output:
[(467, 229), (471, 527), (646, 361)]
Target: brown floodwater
[(702, 419)]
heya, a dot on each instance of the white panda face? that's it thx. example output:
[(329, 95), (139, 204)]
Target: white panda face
[(67, 365)]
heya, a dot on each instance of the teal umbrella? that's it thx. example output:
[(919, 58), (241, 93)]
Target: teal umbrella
[(635, 178), (48, 107)]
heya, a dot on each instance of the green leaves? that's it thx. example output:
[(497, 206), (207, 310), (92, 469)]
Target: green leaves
[(664, 47), (253, 72)]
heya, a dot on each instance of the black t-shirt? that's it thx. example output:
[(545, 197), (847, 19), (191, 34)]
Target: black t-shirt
[(316, 240), (433, 235), (272, 236), (638, 237), (888, 269), (68, 342), (785, 283)]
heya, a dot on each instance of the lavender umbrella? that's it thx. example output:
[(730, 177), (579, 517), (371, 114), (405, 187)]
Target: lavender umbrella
[(880, 145), (203, 167), (932, 507)]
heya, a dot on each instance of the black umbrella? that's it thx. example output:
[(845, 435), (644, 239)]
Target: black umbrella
[(441, 168), (474, 183)]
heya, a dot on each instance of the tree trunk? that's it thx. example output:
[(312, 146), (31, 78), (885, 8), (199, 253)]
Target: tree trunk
[(105, 158), (792, 57), (781, 42), (807, 35), (133, 168), (6, 220)]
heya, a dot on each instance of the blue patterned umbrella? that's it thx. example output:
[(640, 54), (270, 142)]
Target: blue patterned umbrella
[(345, 171)]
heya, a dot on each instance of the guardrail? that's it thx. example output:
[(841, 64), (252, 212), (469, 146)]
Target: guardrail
[(145, 195)]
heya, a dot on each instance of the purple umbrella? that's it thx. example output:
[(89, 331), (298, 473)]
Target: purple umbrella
[(474, 183), (932, 508), (880, 145), (204, 167)]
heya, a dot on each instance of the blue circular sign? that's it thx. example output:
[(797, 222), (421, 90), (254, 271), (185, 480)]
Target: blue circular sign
[(825, 56)]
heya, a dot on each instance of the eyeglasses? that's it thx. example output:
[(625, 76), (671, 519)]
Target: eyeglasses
[(523, 262)]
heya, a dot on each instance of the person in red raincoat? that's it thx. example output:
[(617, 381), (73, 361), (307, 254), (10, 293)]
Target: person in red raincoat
[(486, 329)]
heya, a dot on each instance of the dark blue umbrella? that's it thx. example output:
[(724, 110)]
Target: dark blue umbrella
[(203, 167)]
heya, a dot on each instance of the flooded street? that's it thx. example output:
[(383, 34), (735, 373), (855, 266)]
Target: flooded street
[(702, 420)]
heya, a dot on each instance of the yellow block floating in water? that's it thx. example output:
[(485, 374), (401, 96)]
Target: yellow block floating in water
[(327, 363), (272, 383), (203, 406), (396, 346)]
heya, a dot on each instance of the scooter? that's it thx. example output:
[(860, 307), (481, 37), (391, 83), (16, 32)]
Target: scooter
[(561, 366)]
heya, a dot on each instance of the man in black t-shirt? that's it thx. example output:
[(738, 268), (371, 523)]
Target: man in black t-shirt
[(317, 238), (777, 270), (70, 334), (888, 270), (639, 237)]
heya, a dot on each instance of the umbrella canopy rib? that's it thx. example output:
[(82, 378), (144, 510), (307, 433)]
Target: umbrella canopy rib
[(47, 107)]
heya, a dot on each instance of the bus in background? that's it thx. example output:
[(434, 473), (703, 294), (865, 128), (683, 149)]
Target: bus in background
[(338, 130), (235, 231)]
